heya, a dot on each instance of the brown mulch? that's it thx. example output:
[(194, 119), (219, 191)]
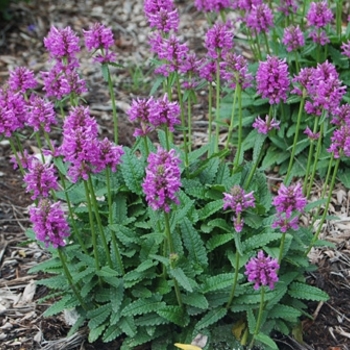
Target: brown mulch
[(21, 323)]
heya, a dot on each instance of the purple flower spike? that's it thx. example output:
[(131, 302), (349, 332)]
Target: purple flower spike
[(288, 7), (21, 79), (246, 5), (346, 48), (164, 20), (98, 37), (219, 39), (41, 114), (62, 43), (340, 142), (212, 5), (162, 180), (311, 135), (293, 38), (49, 223), (238, 201), (40, 179), (260, 18), (264, 126), (262, 270), (272, 79), (110, 155), (165, 113), (319, 14), (289, 199)]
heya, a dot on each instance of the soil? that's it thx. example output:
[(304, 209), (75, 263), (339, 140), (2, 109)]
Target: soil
[(21, 323)]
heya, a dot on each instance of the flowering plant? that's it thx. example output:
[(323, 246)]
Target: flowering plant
[(161, 241)]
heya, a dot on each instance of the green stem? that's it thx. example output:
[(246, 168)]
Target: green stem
[(210, 112), (235, 279), (189, 122), (230, 128), (267, 44), (323, 218), (14, 151), (310, 159), (171, 251), (281, 248), (339, 11), (252, 172), (316, 158), (37, 137), (295, 141), (240, 127), (92, 226), (110, 207), (258, 322), (183, 122), (99, 223), (114, 107), (69, 278)]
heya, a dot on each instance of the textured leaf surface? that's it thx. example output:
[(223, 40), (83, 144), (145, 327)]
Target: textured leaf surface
[(143, 306), (304, 291), (132, 170), (211, 317), (193, 243)]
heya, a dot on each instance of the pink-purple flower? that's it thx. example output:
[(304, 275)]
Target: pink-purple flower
[(212, 5), (345, 48), (262, 270), (238, 200), (310, 134), (293, 38), (109, 155), (219, 39), (22, 79), (40, 114), (98, 37), (319, 14), (272, 79), (264, 126), (340, 141), (162, 181), (40, 179), (289, 200), (49, 223), (62, 43), (139, 112), (259, 18)]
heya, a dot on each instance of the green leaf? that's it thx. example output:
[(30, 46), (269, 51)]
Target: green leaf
[(51, 265), (284, 311), (265, 339), (251, 321), (181, 278), (193, 243), (67, 302), (151, 319), (132, 170), (218, 282), (211, 317), (111, 333), (174, 314), (259, 240), (95, 333), (99, 315), (300, 290), (127, 325), (143, 306), (107, 272), (55, 282), (219, 240), (210, 209), (194, 188), (209, 172), (196, 300), (259, 142)]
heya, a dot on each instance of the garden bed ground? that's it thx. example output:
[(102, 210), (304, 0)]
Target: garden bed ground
[(21, 323)]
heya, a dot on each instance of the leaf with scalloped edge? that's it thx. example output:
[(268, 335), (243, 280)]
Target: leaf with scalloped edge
[(300, 290)]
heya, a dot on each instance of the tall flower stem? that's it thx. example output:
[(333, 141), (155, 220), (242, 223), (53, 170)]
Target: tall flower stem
[(316, 157), (92, 227), (69, 278), (235, 279), (217, 111), (325, 212), (258, 322), (240, 127), (255, 166), (14, 151), (189, 122), (110, 207), (295, 141), (339, 11), (230, 128), (281, 248), (210, 112), (183, 122), (37, 137), (171, 250), (310, 159), (114, 107), (99, 223)]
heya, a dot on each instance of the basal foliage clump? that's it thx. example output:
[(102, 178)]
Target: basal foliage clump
[(161, 241)]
